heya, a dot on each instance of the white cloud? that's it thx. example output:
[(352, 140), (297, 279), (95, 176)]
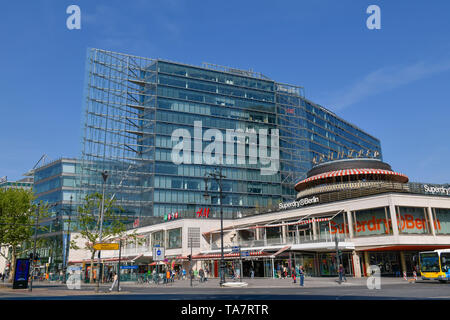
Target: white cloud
[(384, 79)]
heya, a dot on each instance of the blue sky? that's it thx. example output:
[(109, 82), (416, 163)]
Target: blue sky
[(393, 83)]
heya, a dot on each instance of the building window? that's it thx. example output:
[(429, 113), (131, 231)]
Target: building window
[(412, 220), (157, 238), (371, 222), (441, 220), (174, 238)]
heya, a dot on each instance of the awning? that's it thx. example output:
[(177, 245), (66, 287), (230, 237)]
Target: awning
[(349, 172), (281, 250), (229, 255)]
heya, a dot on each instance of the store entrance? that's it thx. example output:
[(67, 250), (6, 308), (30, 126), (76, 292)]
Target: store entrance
[(256, 266)]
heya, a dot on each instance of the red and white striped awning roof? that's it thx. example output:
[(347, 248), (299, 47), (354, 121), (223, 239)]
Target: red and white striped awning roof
[(349, 172)]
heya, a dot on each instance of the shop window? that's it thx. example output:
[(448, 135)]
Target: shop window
[(174, 238), (412, 220), (371, 222), (441, 220)]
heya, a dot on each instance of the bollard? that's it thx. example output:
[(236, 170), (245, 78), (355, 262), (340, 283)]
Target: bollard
[(404, 276)]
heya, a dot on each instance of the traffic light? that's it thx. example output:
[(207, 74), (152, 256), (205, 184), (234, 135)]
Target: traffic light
[(190, 257)]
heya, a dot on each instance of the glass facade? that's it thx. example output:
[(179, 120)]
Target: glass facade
[(135, 105)]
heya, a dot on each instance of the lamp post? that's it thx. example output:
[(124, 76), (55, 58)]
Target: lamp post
[(217, 175), (105, 177), (66, 256), (30, 288)]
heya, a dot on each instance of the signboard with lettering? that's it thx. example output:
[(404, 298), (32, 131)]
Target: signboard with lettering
[(342, 155), (297, 204), (171, 216), (203, 213), (437, 190), (106, 246)]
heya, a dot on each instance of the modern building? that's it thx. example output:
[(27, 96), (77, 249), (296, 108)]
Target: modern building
[(160, 127), (25, 183), (360, 208), (55, 184)]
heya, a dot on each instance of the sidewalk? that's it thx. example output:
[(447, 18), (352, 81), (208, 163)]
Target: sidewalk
[(310, 282)]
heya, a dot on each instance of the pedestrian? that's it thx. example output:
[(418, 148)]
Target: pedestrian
[(172, 276), (195, 274), (201, 274), (294, 276), (168, 275), (252, 273), (184, 274), (342, 273), (155, 276), (206, 274), (115, 282), (301, 274)]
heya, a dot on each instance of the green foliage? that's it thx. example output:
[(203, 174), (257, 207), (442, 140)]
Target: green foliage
[(89, 220)]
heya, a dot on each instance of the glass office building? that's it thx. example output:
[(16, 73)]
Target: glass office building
[(134, 107)]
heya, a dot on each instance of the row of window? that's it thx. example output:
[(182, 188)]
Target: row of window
[(214, 99), (208, 110), (215, 76), (200, 171), (215, 88)]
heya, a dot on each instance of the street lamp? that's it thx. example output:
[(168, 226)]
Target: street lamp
[(36, 224), (105, 177), (66, 256), (217, 175)]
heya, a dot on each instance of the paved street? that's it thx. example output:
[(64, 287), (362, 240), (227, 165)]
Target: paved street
[(261, 289)]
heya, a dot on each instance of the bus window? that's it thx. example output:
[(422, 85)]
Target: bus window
[(429, 262), (445, 262)]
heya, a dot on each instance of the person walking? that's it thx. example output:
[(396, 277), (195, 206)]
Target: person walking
[(301, 274), (252, 273), (115, 282), (201, 274), (167, 276), (342, 273), (294, 275), (184, 274)]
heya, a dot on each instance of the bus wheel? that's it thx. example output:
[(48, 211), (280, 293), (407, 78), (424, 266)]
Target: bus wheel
[(443, 281)]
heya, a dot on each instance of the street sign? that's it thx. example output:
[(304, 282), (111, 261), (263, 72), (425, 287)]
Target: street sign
[(128, 267), (106, 246), (246, 253), (235, 249), (158, 253)]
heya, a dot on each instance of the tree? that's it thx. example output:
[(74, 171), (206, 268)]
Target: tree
[(17, 221), (88, 224)]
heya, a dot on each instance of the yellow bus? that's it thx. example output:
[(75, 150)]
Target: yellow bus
[(435, 265)]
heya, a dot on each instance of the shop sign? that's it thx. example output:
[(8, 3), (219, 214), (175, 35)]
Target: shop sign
[(298, 203), (374, 226), (436, 190), (128, 267), (171, 216), (342, 155), (106, 246), (203, 213)]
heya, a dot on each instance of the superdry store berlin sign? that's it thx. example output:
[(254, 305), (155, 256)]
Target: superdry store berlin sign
[(406, 224), (298, 203)]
